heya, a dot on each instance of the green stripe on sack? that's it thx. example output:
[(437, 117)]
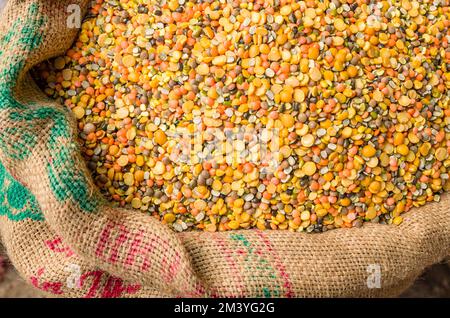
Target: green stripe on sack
[(263, 267), (67, 180), (23, 37), (16, 201)]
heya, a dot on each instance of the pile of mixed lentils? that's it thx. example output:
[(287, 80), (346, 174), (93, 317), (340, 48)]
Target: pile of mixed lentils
[(357, 91)]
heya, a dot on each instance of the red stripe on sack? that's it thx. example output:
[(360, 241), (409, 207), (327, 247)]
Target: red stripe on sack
[(230, 260), (279, 265)]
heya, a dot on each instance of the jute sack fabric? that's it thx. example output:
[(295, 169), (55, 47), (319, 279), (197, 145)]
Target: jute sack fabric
[(65, 239)]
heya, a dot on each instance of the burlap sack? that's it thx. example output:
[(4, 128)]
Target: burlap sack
[(64, 238)]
